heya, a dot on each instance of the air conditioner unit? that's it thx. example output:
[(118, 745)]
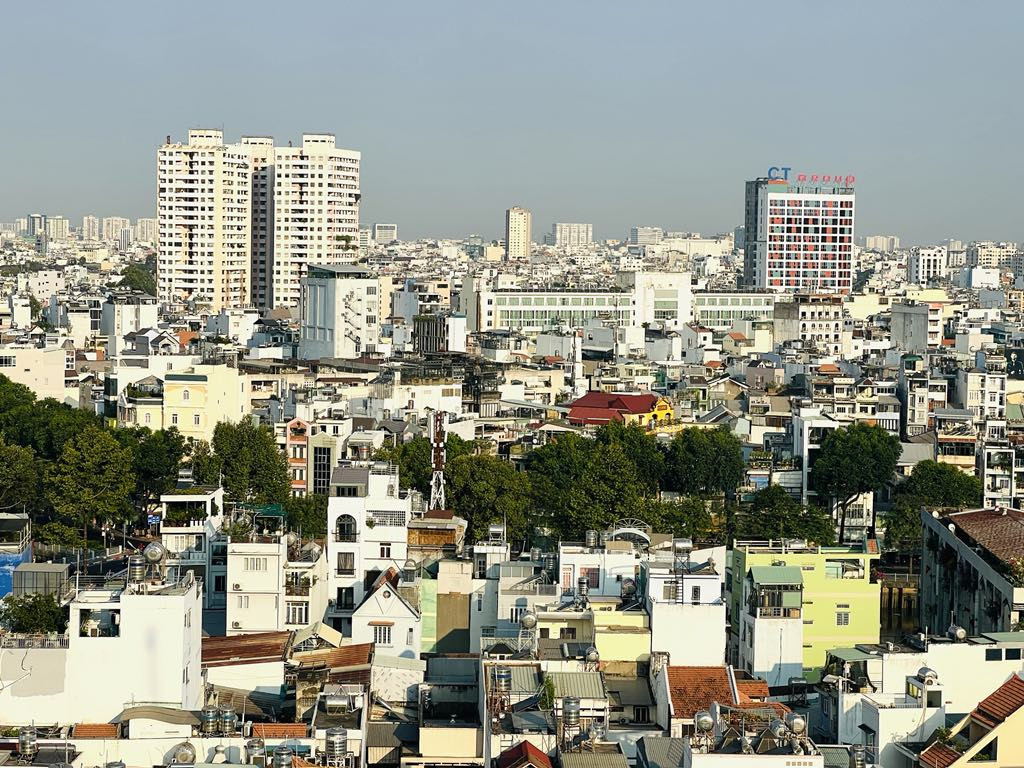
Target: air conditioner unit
[(236, 625), (623, 720), (236, 586)]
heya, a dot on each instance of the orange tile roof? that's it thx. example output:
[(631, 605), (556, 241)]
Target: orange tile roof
[(1003, 702), (522, 754), (695, 688), (752, 688), (335, 658), (280, 730), (95, 731), (939, 756)]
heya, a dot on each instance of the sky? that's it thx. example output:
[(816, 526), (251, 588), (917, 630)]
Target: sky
[(614, 113)]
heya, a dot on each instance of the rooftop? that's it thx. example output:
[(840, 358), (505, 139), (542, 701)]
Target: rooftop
[(1000, 531)]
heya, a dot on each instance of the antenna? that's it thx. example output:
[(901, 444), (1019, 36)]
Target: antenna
[(437, 457)]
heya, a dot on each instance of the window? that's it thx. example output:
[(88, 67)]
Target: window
[(195, 420), (185, 394), (296, 613), (254, 564), (382, 635), (242, 601), (1013, 654), (8, 361), (592, 575), (174, 419), (389, 517), (409, 637), (842, 618), (385, 550), (219, 583), (479, 603), (346, 563), (641, 714), (148, 418), (993, 654), (567, 633), (515, 613), (695, 595)]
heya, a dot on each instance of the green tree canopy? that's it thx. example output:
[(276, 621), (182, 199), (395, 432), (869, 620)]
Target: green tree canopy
[(608, 489), (33, 614), (689, 517), (931, 484), (642, 449), (853, 460), (415, 463), (774, 514), (92, 480), (485, 490), (246, 458), (138, 278), (704, 461), (19, 477), (307, 515), (555, 469)]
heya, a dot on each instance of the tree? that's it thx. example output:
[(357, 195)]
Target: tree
[(554, 470), (307, 515), (137, 278), (704, 461), (608, 489), (19, 477), (92, 480), (774, 514), (57, 534), (414, 459), (642, 449), (485, 490), (689, 517), (33, 614), (931, 484), (157, 462), (853, 460), (248, 461)]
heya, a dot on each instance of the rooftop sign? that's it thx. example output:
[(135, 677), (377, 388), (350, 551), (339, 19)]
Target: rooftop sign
[(781, 175)]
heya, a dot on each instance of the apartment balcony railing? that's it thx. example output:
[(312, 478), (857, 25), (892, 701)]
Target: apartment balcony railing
[(19, 641), (346, 537), (296, 590)]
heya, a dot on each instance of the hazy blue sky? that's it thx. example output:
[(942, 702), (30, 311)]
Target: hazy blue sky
[(616, 113)]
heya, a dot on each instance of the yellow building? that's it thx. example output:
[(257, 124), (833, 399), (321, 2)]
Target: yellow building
[(197, 399), (618, 635), (841, 601)]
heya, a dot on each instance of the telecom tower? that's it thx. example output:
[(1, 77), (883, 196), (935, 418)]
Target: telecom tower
[(437, 456)]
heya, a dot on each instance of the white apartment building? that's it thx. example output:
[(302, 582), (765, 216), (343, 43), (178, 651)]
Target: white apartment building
[(816, 320), (991, 255), (645, 235), (90, 228), (261, 159), (570, 235), (203, 207), (982, 392), (771, 623), (275, 582), (385, 233), (367, 517), (131, 637), (146, 231), (58, 229), (721, 310), (315, 212), (518, 234), (925, 263), (111, 227), (882, 243), (126, 313), (800, 238), (339, 312), (47, 371)]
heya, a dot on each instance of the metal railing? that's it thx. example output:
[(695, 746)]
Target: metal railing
[(19, 641)]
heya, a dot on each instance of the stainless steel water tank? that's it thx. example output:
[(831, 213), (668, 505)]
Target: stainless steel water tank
[(282, 757), (228, 721), (136, 568), (503, 679), (336, 744), (208, 721), (591, 539), (571, 710), (582, 586), (28, 742), (704, 721)]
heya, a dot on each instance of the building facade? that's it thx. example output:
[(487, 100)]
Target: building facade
[(518, 234)]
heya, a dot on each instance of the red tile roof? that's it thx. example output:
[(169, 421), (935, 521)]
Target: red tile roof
[(1003, 702), (617, 402), (939, 756), (338, 658), (1000, 532), (523, 754), (582, 415), (280, 730), (95, 731), (752, 688), (695, 688)]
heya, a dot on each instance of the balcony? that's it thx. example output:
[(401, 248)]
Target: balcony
[(346, 571), (346, 537), (297, 589)]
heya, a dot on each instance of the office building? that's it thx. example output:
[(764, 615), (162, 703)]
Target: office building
[(799, 237), (126, 239), (385, 233), (203, 209), (721, 310), (566, 235), (518, 234), (645, 235), (90, 228)]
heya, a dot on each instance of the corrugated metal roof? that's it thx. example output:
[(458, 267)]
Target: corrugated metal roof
[(452, 670), (592, 760), (661, 751), (525, 677), (776, 574), (391, 734), (851, 654), (585, 685), (161, 714)]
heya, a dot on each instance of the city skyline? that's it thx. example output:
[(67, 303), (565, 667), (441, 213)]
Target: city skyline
[(631, 121)]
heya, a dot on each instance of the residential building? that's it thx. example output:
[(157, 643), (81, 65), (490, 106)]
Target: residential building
[(926, 263), (339, 312), (111, 226), (197, 399), (518, 234), (882, 243), (571, 236), (204, 207), (799, 237), (982, 391), (90, 228), (48, 371), (991, 255), (721, 310), (383, 234), (838, 603), (816, 320), (916, 326), (125, 313), (146, 231), (645, 235), (57, 229)]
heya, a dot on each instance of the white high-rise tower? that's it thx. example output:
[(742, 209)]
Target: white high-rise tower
[(518, 234)]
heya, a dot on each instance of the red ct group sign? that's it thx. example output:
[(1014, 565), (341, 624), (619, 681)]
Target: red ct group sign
[(781, 173)]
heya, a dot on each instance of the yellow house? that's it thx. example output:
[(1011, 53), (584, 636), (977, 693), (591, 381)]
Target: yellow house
[(197, 399), (618, 635), (597, 408), (991, 735)]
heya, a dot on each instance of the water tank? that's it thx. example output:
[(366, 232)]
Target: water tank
[(154, 552), (602, 538), (503, 679), (336, 744), (582, 586), (227, 721), (550, 562), (591, 656), (535, 554), (956, 633), (591, 539), (282, 757), (28, 744), (683, 545), (208, 721), (571, 710), (136, 568), (928, 674), (704, 721), (256, 752), (496, 532), (628, 587), (679, 590), (778, 728), (184, 754), (528, 621), (858, 756), (796, 722)]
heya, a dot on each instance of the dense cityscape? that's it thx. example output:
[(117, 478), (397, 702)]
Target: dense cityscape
[(283, 486)]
